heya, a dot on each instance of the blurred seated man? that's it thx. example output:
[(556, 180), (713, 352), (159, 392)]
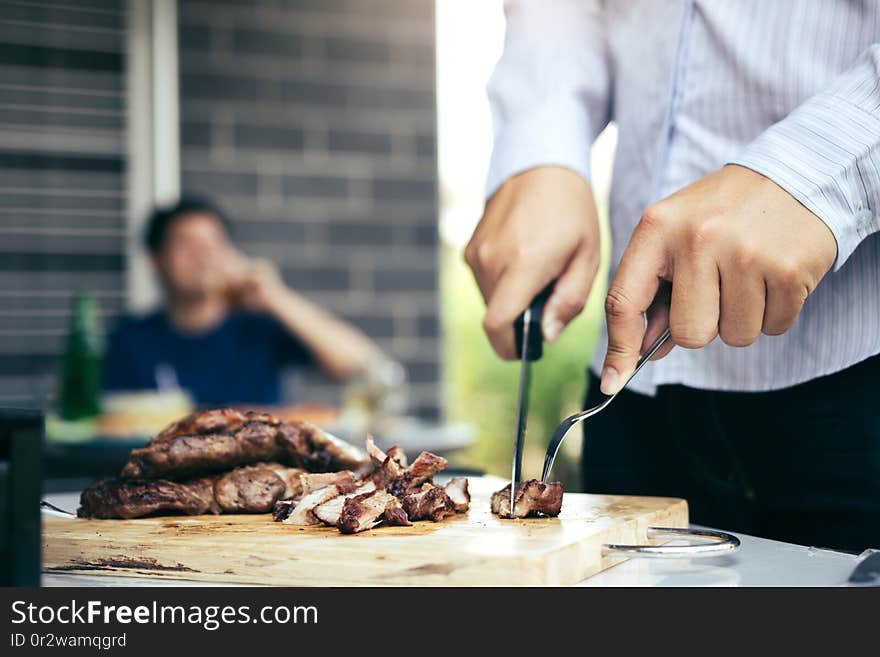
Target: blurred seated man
[(229, 324)]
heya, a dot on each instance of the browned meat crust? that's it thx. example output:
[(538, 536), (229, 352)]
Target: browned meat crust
[(530, 499), (329, 511), (421, 471), (363, 512), (282, 510), (111, 498), (318, 451), (430, 503), (250, 489), (224, 439)]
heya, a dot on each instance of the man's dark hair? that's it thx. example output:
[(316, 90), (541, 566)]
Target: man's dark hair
[(163, 217)]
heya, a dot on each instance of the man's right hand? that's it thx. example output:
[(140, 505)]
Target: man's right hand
[(541, 225)]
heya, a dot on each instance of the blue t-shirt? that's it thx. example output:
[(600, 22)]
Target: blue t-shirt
[(238, 362)]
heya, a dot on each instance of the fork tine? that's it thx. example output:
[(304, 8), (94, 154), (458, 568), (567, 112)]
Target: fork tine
[(564, 426)]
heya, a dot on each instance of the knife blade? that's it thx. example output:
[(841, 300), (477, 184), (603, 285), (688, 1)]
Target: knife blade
[(530, 346)]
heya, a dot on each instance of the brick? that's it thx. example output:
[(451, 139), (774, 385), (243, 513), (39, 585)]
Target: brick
[(358, 141), (428, 326), (423, 371), (403, 189), (195, 36), (252, 41), (282, 231), (404, 280), (426, 145), (314, 93), (321, 278), (376, 326), (269, 137), (215, 182), (316, 186), (62, 262), (355, 50), (371, 233), (195, 133), (216, 87)]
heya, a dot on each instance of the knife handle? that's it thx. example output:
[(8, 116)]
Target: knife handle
[(535, 346)]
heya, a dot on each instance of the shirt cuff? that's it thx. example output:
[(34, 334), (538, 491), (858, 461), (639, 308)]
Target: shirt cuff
[(551, 135), (818, 154)]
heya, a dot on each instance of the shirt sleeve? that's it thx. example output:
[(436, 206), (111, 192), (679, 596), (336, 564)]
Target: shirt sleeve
[(826, 154), (549, 93)]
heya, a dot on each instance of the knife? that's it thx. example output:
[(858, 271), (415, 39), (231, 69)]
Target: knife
[(529, 347)]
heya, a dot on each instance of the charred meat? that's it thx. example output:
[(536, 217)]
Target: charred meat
[(430, 503), (112, 498), (214, 441), (329, 511), (531, 498), (363, 512)]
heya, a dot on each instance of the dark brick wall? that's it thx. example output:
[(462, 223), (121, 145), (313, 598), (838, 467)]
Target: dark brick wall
[(62, 174), (313, 123)]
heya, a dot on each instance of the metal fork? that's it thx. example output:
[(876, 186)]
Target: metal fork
[(569, 422)]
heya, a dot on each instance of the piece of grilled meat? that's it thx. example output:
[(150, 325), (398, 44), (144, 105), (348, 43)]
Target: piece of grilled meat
[(248, 489), (363, 512), (112, 498), (429, 503), (254, 488), (531, 498), (457, 489), (213, 441)]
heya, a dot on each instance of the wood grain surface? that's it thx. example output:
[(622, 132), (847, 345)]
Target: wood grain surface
[(472, 549)]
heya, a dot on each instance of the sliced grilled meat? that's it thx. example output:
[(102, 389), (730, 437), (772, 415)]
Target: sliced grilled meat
[(457, 489), (311, 482), (531, 498), (291, 478), (422, 470), (303, 512), (112, 498), (363, 512), (329, 511), (397, 455), (430, 503), (252, 488)]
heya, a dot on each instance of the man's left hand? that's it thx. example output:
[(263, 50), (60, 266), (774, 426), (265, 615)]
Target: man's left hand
[(742, 256)]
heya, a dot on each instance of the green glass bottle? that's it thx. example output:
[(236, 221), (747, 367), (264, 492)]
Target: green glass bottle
[(81, 367)]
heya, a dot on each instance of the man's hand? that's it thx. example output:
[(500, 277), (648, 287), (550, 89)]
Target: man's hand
[(539, 226), (255, 284), (742, 255)]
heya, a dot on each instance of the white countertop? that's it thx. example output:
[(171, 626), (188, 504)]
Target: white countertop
[(758, 562)]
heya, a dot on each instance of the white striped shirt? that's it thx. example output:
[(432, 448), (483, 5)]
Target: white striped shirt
[(788, 88)]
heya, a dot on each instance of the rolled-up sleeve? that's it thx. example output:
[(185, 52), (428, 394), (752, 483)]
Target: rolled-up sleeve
[(549, 92), (827, 154)]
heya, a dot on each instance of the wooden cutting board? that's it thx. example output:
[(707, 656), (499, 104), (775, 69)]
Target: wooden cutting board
[(473, 549)]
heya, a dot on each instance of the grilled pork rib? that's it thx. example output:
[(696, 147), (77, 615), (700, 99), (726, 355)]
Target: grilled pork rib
[(214, 441), (530, 499)]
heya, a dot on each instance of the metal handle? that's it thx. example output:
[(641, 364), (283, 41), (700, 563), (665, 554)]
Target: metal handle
[(722, 544)]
